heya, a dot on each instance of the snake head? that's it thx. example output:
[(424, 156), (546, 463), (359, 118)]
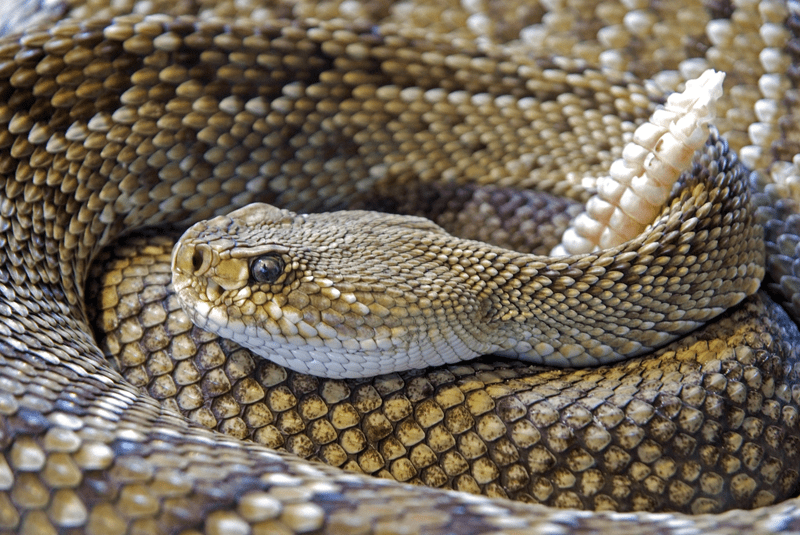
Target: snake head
[(344, 294)]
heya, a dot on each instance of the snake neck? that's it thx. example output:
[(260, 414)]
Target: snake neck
[(621, 302)]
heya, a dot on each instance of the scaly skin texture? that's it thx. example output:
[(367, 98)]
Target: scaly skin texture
[(358, 294), (112, 125), (665, 432)]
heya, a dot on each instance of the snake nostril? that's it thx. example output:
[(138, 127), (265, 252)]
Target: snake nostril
[(197, 260), (201, 260), (192, 259)]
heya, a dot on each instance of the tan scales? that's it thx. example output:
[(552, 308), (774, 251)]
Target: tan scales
[(92, 125)]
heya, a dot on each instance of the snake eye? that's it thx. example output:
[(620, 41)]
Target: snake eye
[(267, 269)]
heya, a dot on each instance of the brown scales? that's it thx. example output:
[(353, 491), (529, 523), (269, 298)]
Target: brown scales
[(86, 451)]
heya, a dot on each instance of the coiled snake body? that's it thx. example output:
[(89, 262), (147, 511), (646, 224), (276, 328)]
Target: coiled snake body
[(144, 120)]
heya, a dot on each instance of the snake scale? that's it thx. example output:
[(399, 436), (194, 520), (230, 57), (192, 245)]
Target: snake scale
[(112, 124)]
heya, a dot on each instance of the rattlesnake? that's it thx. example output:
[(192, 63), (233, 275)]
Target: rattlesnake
[(97, 124)]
